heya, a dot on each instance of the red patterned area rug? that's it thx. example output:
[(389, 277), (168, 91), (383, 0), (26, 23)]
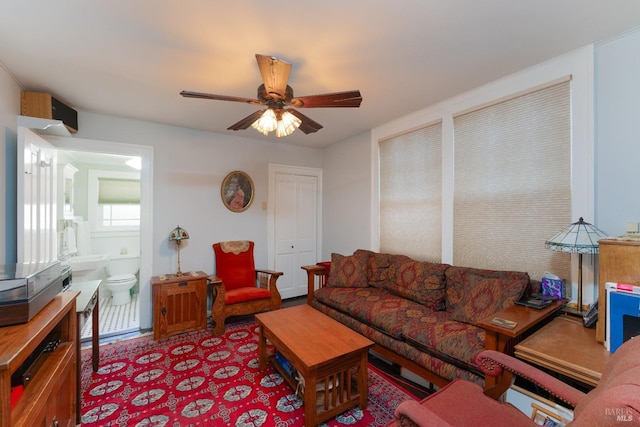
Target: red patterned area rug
[(197, 379)]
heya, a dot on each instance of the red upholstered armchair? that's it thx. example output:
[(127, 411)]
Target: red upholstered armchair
[(615, 401), (238, 288)]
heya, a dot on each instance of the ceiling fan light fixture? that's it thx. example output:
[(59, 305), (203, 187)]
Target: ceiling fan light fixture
[(266, 123), (287, 124), (283, 122)]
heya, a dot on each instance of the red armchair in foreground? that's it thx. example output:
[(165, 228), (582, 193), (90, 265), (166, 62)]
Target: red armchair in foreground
[(615, 401), (238, 288)]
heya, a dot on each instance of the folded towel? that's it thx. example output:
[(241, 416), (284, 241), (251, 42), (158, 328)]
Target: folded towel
[(69, 240)]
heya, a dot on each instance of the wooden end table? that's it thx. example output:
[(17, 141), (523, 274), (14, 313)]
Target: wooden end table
[(565, 346), (179, 303), (499, 338), (324, 352)]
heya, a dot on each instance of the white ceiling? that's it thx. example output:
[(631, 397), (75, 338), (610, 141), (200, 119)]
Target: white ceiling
[(131, 58)]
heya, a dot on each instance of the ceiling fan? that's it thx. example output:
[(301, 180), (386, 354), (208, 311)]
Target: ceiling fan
[(278, 97)]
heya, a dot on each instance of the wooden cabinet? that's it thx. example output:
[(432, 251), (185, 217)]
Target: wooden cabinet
[(49, 398), (179, 303), (619, 262), (43, 105)]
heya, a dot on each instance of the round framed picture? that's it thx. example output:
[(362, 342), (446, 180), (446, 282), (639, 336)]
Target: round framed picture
[(237, 191)]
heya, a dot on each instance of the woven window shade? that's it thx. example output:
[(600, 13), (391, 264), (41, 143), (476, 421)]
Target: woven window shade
[(115, 191), (411, 194), (513, 182)]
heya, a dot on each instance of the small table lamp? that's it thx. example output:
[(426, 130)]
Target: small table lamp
[(178, 234), (578, 238)]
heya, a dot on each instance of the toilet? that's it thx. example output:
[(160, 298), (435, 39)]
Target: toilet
[(122, 270)]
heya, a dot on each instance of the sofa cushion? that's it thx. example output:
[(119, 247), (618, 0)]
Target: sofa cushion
[(377, 267), (472, 294), (347, 272), (439, 334), (381, 268), (422, 282), (375, 307)]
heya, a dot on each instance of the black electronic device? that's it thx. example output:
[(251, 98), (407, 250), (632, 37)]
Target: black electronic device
[(590, 318), (24, 374), (534, 302)]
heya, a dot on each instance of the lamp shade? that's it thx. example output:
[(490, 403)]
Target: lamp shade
[(579, 238), (178, 234), (282, 121)]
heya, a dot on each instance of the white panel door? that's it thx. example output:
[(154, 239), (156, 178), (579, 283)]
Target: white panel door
[(295, 217), (36, 194)]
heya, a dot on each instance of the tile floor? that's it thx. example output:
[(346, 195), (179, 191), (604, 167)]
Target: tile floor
[(115, 320)]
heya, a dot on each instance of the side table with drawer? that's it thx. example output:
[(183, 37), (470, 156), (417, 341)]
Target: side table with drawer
[(87, 305), (179, 303)]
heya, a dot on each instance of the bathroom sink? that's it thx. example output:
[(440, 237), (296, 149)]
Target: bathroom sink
[(87, 262)]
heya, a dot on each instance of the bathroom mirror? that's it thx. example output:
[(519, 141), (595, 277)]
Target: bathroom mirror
[(68, 174)]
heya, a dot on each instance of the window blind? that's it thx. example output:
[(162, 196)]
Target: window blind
[(512, 166), (411, 194), (118, 191)]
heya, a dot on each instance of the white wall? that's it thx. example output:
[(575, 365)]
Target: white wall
[(9, 108), (618, 132), (347, 196)]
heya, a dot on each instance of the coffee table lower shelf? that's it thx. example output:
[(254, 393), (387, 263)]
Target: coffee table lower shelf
[(332, 397)]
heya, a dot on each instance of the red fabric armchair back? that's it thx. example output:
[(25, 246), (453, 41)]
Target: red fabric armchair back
[(235, 264)]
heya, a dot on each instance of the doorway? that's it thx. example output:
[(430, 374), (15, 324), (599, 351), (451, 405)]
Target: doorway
[(145, 153), (104, 217), (295, 218)]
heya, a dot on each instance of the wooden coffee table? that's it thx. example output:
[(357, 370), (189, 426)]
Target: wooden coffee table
[(330, 357)]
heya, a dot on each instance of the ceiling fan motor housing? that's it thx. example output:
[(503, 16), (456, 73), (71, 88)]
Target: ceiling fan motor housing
[(268, 97)]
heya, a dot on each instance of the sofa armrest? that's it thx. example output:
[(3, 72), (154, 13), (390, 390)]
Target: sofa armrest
[(316, 279), (417, 415), (494, 363)]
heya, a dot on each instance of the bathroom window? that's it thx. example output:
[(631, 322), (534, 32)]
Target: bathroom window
[(118, 202), (115, 200), (114, 215)]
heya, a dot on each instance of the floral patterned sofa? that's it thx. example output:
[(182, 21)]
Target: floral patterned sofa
[(422, 316)]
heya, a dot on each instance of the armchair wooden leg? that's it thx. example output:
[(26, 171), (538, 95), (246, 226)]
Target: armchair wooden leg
[(218, 327)]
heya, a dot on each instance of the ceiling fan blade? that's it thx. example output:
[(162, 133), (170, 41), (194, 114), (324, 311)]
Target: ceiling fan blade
[(350, 98), (190, 94), (307, 125), (275, 74), (247, 121)]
